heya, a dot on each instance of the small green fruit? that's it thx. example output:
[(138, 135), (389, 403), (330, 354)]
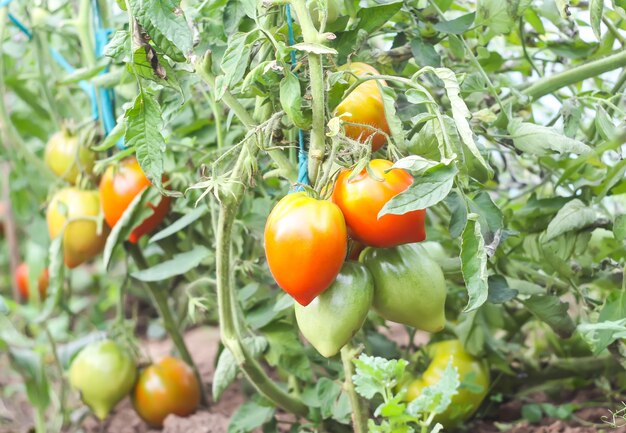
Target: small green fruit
[(104, 374), (332, 319)]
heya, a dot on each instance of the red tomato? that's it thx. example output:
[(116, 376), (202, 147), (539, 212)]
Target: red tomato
[(365, 104), (167, 387), (305, 245), (363, 197), (119, 186), (21, 277)]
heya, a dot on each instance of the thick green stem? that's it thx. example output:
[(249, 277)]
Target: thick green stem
[(160, 302), (575, 75), (317, 144), (359, 415), (40, 420)]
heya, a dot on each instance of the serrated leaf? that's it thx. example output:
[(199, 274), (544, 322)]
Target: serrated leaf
[(179, 264), (474, 264), (553, 312), (437, 397), (235, 60), (499, 290), (165, 22), (135, 214), (541, 140), (373, 374), (575, 215), (393, 120), (250, 416), (460, 113), (425, 191), (143, 132), (118, 46), (596, 9)]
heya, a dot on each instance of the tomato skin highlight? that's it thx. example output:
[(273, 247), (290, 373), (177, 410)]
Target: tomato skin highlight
[(66, 158), (166, 387), (119, 186), (365, 104), (81, 241), (305, 245), (473, 375), (362, 198), (21, 277), (330, 321)]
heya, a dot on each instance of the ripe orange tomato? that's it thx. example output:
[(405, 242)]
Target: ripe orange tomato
[(118, 188), (21, 277), (167, 387), (365, 104), (67, 158), (363, 197), (305, 245), (81, 240)]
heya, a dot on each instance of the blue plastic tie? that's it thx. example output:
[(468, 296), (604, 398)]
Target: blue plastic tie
[(303, 171)]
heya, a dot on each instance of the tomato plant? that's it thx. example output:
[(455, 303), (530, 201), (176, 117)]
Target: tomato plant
[(166, 387), (338, 195)]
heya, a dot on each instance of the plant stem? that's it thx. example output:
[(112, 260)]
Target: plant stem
[(359, 415), (230, 200), (203, 69), (57, 363), (217, 115), (160, 302), (317, 145), (40, 420), (552, 83)]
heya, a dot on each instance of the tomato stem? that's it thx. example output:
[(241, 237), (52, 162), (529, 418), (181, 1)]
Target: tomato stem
[(230, 201), (317, 145), (359, 415), (160, 301)]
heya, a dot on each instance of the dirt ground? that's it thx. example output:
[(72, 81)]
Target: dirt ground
[(15, 416)]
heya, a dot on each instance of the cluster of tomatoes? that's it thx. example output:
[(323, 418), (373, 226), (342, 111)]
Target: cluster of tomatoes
[(74, 212), (104, 373)]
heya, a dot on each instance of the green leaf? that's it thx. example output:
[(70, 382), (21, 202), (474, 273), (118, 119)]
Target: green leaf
[(373, 374), (458, 25), (494, 14), (614, 309), (250, 416), (553, 312), (179, 264), (425, 53), (135, 214), (143, 132), (491, 218), (166, 24), (118, 46), (179, 224), (574, 216), (474, 264), (499, 290), (30, 366), (460, 113), (425, 191), (234, 11), (596, 9), (416, 164), (291, 100), (532, 413), (314, 48), (541, 140), (235, 59), (437, 397), (604, 124), (458, 214), (619, 228), (147, 64), (286, 350), (394, 122), (56, 270)]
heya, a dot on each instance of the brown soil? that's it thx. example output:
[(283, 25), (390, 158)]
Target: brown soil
[(16, 415)]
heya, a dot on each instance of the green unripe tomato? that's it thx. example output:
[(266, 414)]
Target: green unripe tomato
[(332, 319), (473, 375), (333, 11), (104, 373), (409, 287)]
